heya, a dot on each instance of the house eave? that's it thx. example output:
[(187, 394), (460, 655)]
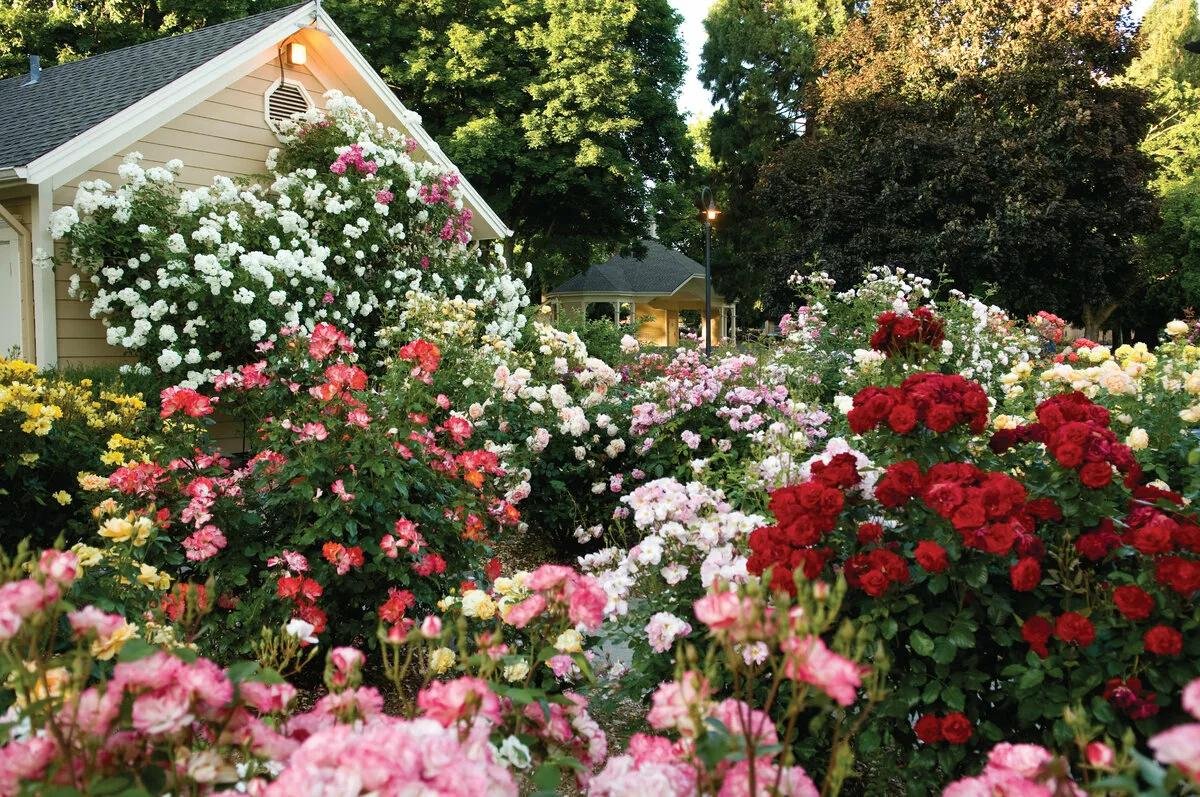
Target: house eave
[(13, 175)]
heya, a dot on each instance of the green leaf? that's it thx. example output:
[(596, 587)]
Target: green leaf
[(943, 651), (136, 649), (1031, 678), (547, 777), (921, 643), (954, 698)]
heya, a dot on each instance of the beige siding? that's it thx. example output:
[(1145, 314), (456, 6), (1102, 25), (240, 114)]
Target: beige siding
[(226, 134)]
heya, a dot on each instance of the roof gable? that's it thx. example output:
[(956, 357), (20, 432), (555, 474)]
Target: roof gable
[(71, 98), (661, 272)]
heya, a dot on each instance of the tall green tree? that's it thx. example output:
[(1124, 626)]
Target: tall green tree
[(562, 112), (982, 139), (759, 62), (67, 31), (1171, 75)]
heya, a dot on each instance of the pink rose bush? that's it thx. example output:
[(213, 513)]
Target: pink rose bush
[(740, 744), (317, 455), (510, 653)]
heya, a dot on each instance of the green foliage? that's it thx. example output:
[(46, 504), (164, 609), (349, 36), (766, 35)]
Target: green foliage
[(559, 112), (1172, 77), (760, 63), (62, 32), (1005, 161)]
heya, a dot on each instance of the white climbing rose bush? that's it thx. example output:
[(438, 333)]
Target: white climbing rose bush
[(348, 226)]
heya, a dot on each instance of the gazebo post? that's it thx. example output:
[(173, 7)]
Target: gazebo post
[(733, 316)]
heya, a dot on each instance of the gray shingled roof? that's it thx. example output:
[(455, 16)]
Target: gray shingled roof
[(73, 97), (661, 271)]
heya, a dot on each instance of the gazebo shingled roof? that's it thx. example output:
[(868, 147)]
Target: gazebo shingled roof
[(661, 272)]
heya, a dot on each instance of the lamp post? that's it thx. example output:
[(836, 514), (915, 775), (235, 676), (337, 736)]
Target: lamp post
[(710, 215)]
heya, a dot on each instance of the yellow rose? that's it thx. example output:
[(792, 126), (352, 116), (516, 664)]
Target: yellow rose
[(150, 576), (142, 526), (117, 529), (441, 659), (92, 483), (107, 647), (569, 641), (477, 603), (62, 496), (516, 672), (1137, 438), (1176, 328), (112, 458), (52, 684), (87, 555), (1006, 422), (28, 458)]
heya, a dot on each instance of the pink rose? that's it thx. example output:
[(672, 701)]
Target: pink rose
[(431, 627), (463, 698), (586, 603), (1024, 759), (522, 613), (810, 661), (1191, 698), (345, 667), (1179, 746), (548, 576), (267, 698), (1100, 755), (718, 610), (675, 702), (59, 566)]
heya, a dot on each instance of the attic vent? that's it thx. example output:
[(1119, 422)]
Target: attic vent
[(285, 98)]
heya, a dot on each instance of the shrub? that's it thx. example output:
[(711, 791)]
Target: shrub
[(350, 224), (54, 430), (354, 505)]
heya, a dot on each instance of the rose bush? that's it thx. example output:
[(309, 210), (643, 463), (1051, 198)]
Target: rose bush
[(349, 225)]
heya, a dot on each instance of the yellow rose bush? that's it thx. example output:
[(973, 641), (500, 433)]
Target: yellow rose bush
[(54, 432)]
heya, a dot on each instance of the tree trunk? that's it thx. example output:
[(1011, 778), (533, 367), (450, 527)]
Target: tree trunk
[(1094, 317)]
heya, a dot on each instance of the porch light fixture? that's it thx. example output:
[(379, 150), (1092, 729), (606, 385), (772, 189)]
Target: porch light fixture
[(297, 54)]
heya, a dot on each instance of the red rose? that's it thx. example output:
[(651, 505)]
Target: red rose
[(1026, 574), (931, 556), (970, 515), (1075, 629), (956, 728), (1036, 632), (869, 533), (900, 482), (902, 419), (1178, 574), (1044, 509), (1095, 475), (1068, 455), (1154, 537), (999, 538), (874, 583), (1095, 545), (929, 729), (941, 418), (1163, 640), (1133, 602)]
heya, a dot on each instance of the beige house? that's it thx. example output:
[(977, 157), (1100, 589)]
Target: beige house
[(209, 98), (658, 287)]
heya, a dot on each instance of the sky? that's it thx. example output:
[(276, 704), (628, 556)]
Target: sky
[(693, 99)]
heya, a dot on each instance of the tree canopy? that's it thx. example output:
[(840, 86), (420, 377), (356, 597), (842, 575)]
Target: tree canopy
[(562, 112), (759, 63), (985, 141), (61, 32)]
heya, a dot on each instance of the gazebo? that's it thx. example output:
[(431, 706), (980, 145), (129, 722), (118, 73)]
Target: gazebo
[(659, 286)]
